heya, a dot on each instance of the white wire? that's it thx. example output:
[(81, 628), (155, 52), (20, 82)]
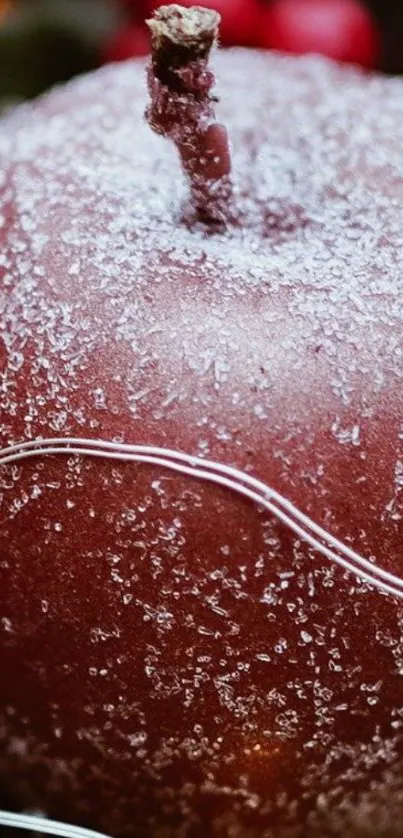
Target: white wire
[(47, 827), (223, 475), (217, 473)]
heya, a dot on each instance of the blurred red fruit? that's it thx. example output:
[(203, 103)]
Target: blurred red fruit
[(129, 42), (341, 29), (239, 18), (5, 6), (138, 8)]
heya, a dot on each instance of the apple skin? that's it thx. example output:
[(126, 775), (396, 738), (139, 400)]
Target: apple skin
[(173, 660)]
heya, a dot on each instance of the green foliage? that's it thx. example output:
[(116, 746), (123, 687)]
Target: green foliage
[(43, 42)]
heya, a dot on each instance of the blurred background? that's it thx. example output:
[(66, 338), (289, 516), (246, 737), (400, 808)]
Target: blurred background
[(43, 42)]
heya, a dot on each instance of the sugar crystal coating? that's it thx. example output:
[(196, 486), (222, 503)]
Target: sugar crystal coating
[(170, 654)]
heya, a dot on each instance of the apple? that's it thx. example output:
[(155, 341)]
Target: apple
[(179, 657)]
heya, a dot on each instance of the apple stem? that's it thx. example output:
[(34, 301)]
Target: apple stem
[(181, 105)]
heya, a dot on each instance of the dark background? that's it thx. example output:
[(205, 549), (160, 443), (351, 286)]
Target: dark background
[(43, 42)]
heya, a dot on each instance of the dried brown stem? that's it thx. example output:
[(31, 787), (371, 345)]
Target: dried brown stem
[(181, 106)]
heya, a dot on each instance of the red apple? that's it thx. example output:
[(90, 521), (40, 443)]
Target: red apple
[(175, 660), (341, 29)]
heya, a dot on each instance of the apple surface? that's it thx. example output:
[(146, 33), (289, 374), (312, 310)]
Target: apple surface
[(175, 659)]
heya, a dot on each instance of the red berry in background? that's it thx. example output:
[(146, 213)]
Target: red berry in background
[(4, 9), (341, 29), (137, 8), (131, 41), (239, 18)]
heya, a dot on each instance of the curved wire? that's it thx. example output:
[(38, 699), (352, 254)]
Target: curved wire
[(220, 474), (34, 823)]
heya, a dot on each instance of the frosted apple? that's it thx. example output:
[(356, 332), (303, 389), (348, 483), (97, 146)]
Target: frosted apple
[(176, 658)]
